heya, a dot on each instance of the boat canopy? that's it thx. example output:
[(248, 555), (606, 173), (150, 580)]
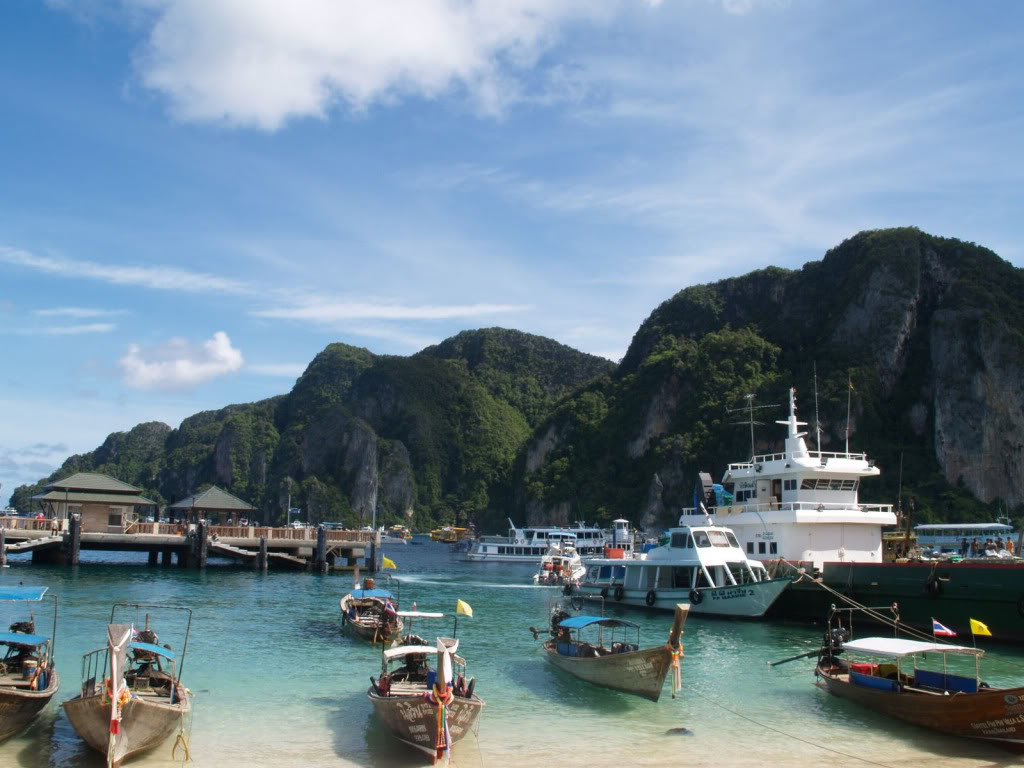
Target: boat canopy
[(380, 593), (579, 622), (405, 650), (420, 615), (20, 638), (22, 593), (898, 648), (165, 652)]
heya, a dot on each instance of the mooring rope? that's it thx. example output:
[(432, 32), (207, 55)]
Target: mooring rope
[(788, 735)]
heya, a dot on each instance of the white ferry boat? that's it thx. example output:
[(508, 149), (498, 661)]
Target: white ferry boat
[(702, 565), (528, 545), (949, 537), (799, 505)]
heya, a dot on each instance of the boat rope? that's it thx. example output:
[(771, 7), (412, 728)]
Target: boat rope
[(677, 672), (182, 738), (784, 733)]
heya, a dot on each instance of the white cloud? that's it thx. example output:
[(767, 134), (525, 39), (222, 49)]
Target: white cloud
[(283, 370), (261, 62), (334, 312), (178, 364), (81, 312)]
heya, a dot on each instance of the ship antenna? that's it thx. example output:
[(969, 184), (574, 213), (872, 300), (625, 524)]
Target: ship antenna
[(849, 392), (817, 421), (750, 408)]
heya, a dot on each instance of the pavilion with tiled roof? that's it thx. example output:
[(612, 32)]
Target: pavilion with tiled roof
[(214, 504), (103, 503)]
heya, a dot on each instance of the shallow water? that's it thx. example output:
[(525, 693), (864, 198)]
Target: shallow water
[(278, 684)]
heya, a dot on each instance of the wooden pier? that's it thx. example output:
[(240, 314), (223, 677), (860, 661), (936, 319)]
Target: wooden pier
[(190, 545)]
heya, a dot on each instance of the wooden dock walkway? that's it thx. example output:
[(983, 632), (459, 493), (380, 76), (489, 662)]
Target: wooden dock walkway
[(60, 541)]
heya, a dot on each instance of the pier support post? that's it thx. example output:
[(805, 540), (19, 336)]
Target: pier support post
[(165, 557), (321, 549), (202, 543), (154, 557), (3, 548), (74, 539), (261, 558), (371, 564)]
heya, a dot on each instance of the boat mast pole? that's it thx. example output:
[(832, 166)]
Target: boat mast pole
[(817, 421), (849, 390)]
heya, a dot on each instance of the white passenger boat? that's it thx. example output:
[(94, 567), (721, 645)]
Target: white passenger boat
[(799, 505), (560, 565), (702, 565), (529, 545)]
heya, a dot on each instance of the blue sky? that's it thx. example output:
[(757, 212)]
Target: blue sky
[(196, 196)]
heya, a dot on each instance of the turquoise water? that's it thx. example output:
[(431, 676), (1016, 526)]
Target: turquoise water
[(278, 684)]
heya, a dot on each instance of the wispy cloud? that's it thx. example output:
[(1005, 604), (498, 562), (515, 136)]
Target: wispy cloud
[(161, 278), (328, 313), (283, 370), (178, 364), (67, 330), (81, 312)]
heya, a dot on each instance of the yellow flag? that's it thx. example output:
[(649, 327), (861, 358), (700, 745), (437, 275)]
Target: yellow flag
[(461, 606), (387, 562), (977, 628)]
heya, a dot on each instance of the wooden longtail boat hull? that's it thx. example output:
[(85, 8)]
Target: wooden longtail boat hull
[(413, 720), (370, 627), (144, 723), (19, 706), (994, 715), (641, 673)]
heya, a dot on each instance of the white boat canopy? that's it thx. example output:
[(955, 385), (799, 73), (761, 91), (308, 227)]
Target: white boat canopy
[(897, 648), (404, 650), (420, 615)]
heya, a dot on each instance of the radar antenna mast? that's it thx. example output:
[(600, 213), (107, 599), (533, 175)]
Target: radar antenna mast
[(750, 408)]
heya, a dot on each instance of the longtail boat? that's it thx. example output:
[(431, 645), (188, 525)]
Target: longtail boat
[(611, 659), (372, 613), (28, 678), (132, 698), (428, 709), (892, 682)]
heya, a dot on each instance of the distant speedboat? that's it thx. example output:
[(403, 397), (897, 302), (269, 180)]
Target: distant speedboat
[(608, 656), (28, 678), (560, 566), (132, 698)]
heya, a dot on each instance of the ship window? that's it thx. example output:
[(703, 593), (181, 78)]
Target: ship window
[(700, 538), (760, 547), (835, 485), (774, 548), (593, 574), (689, 541), (848, 485), (501, 550), (750, 547), (732, 540), (807, 485), (606, 571), (681, 578), (719, 539), (679, 540), (620, 572), (702, 580), (542, 534)]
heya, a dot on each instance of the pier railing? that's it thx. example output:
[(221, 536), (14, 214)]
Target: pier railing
[(30, 524)]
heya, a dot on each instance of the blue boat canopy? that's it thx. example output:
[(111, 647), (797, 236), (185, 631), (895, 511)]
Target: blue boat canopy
[(166, 653), (22, 593), (381, 593), (20, 638), (579, 622)]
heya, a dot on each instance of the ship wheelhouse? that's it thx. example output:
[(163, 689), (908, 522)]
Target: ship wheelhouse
[(801, 505)]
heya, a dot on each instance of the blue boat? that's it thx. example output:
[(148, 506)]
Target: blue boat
[(28, 677)]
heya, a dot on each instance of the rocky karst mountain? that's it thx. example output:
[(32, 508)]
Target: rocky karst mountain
[(495, 423)]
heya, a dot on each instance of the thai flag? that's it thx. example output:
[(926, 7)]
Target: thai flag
[(938, 630), (388, 607)]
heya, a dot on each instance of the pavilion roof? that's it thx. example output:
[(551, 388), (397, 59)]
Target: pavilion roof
[(92, 481), (213, 498)]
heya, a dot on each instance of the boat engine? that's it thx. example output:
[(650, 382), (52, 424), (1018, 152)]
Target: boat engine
[(832, 642)]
